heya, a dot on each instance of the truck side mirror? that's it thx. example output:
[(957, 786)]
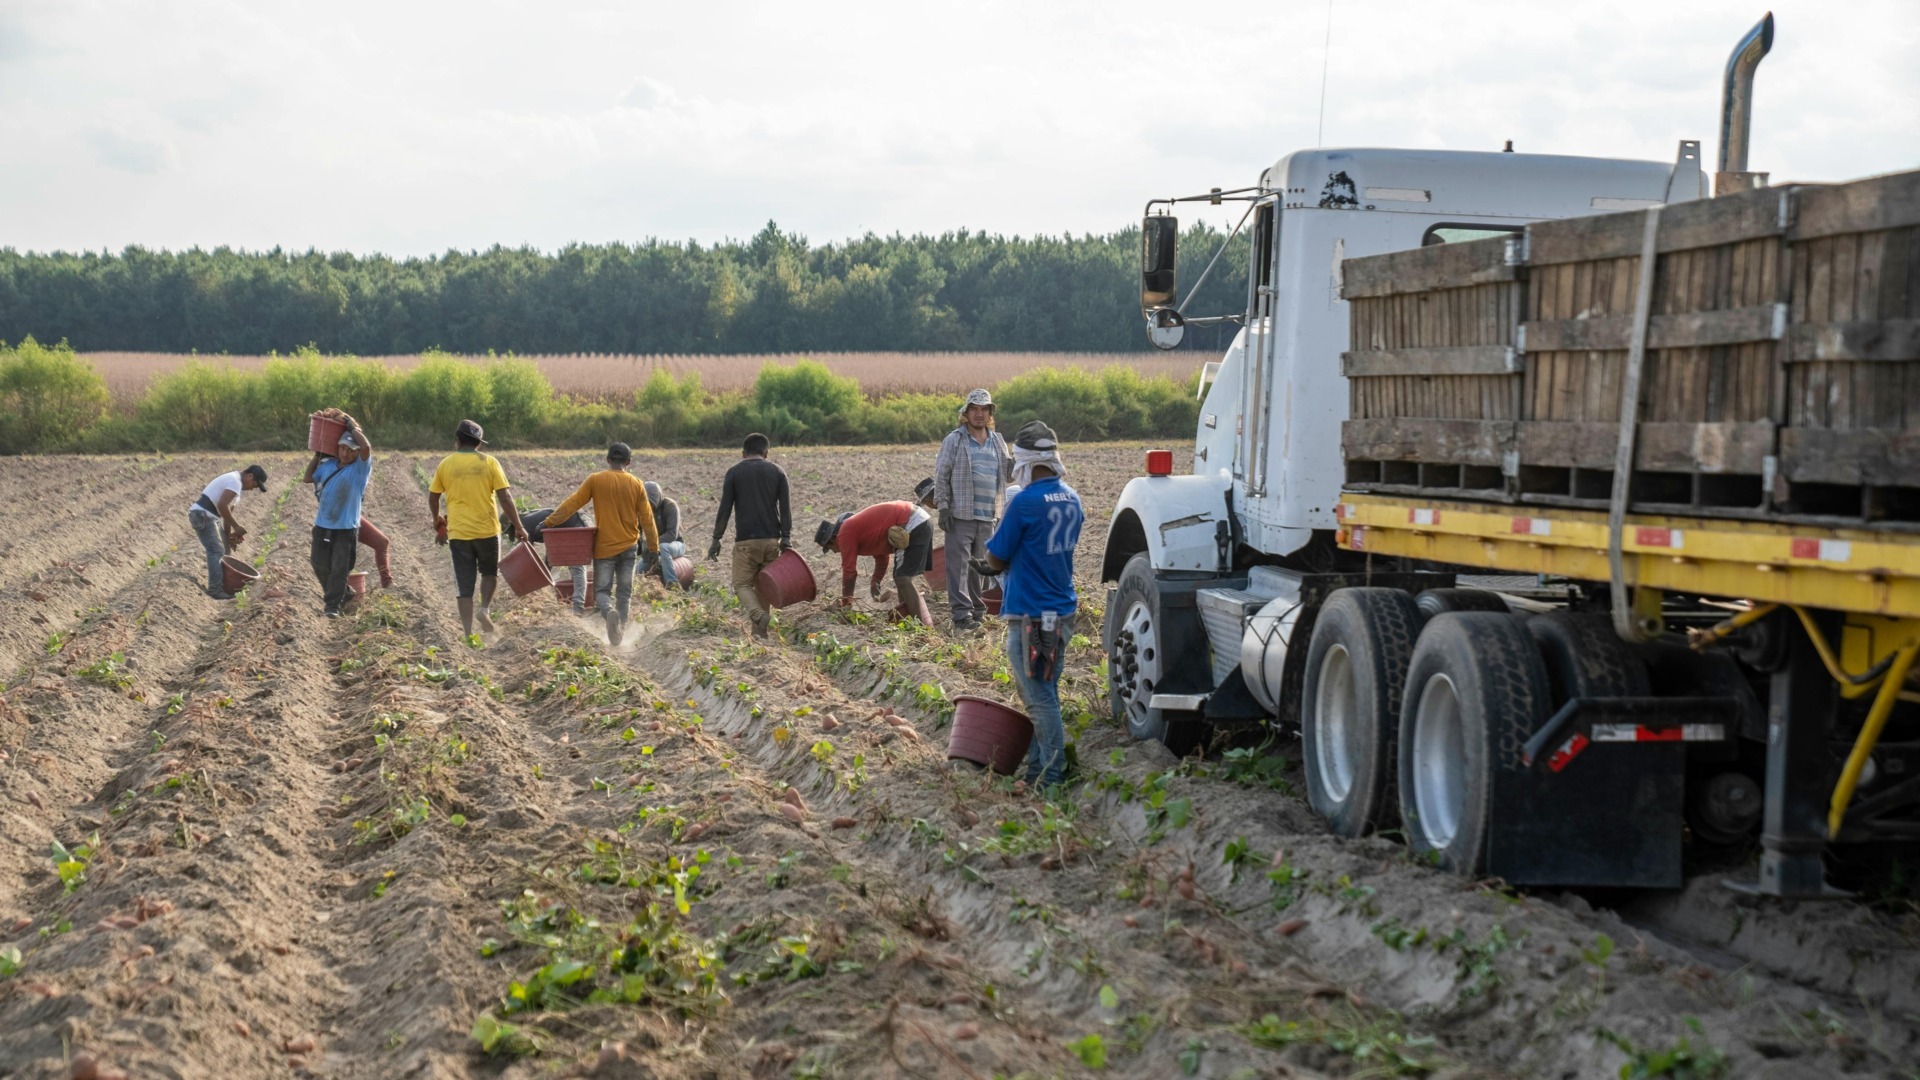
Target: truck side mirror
[(1159, 235)]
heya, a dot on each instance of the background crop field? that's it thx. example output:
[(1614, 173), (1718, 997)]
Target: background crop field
[(606, 377)]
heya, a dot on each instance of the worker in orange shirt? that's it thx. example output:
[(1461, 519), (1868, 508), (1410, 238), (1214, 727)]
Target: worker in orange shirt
[(883, 532), (622, 513)]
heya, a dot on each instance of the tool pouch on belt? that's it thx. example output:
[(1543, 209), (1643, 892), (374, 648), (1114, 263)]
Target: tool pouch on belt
[(1045, 642), (898, 538)]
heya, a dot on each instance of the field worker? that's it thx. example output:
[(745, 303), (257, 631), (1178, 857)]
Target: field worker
[(473, 484), (666, 516), (370, 536), (755, 491), (622, 513), (339, 485), (969, 478), (879, 532), (211, 516), (1034, 548), (534, 522)]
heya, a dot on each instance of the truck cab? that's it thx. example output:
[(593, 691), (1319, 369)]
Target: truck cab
[(1267, 469)]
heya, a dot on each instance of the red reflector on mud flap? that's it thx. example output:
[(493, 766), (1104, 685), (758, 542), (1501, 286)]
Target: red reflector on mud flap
[(1159, 463), (1567, 752)]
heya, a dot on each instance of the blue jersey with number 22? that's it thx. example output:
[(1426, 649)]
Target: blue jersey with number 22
[(1035, 539)]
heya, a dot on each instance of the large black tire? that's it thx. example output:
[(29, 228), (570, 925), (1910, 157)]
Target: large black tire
[(1586, 658), (1350, 708), (1440, 601), (1144, 641), (1476, 689)]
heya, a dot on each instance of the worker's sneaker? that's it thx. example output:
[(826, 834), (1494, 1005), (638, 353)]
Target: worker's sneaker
[(333, 613), (962, 626), (220, 594)]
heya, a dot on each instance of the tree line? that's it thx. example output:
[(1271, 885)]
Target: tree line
[(773, 293)]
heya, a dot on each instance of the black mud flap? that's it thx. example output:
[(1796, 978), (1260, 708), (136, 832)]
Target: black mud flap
[(1579, 810), (1232, 704)]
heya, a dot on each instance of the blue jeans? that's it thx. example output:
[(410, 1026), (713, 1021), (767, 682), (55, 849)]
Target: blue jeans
[(213, 538), (663, 565), (579, 576), (614, 578), (1047, 754)]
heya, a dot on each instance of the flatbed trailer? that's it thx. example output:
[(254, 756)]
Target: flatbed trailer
[(1706, 416)]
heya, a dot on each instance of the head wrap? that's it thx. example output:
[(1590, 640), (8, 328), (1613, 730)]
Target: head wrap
[(1035, 445)]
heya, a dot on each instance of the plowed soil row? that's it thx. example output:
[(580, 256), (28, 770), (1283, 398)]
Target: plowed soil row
[(368, 848)]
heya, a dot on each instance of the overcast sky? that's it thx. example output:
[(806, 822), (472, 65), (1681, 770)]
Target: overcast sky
[(413, 127)]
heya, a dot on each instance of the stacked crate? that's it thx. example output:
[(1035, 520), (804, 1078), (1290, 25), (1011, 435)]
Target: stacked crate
[(1782, 369)]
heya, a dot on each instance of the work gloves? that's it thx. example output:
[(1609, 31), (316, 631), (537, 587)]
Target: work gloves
[(981, 567), (946, 521), (713, 551)]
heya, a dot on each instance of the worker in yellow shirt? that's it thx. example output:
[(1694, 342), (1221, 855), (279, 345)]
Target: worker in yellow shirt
[(622, 513), (476, 492)]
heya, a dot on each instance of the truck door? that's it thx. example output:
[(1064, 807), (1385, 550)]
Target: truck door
[(1249, 463)]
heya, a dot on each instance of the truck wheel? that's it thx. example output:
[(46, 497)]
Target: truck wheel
[(1440, 601), (1475, 690), (1585, 658), (1141, 648), (1350, 706)]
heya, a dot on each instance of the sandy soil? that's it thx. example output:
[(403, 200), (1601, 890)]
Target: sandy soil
[(366, 848)]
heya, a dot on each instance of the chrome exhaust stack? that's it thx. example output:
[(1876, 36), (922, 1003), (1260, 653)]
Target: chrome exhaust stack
[(1736, 110)]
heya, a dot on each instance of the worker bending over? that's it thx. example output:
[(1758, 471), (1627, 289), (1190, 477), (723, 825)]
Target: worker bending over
[(878, 532)]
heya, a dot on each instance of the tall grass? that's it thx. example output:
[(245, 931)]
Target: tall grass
[(55, 401)]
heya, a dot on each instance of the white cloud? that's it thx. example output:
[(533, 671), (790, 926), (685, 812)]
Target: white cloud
[(411, 128)]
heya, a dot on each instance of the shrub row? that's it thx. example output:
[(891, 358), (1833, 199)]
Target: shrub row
[(53, 401)]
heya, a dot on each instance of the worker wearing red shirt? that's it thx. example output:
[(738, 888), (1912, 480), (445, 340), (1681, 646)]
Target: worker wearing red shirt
[(878, 532)]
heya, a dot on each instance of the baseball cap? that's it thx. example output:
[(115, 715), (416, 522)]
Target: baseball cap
[(259, 474), (347, 440), (619, 452), (1036, 435), (470, 430)]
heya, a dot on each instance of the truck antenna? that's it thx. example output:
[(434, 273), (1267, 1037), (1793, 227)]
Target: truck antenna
[(1320, 136)]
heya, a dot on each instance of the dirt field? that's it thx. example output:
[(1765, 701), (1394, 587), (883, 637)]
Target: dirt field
[(601, 376), (365, 848)]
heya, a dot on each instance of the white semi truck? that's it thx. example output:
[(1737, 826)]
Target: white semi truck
[(1523, 495)]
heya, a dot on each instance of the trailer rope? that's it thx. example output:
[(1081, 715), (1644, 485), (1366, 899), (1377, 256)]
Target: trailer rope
[(1626, 621)]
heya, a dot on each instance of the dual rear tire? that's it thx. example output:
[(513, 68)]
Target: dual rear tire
[(1408, 716)]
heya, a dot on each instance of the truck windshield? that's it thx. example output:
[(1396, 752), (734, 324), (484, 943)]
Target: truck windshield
[(1455, 233)]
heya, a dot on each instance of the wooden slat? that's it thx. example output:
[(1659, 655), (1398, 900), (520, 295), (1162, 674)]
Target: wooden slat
[(1463, 442), (1884, 202), (1446, 360), (1880, 339), (1683, 226), (1694, 329), (1658, 447), (1815, 456), (1441, 266)]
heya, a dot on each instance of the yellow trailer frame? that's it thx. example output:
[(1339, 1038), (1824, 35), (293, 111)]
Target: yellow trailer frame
[(1835, 569), (1874, 578)]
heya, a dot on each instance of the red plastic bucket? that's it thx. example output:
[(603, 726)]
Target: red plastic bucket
[(787, 581), (937, 563), (357, 582), (683, 571), (570, 547), (563, 588), (236, 575), (988, 733), (991, 598), (524, 571), (323, 434)]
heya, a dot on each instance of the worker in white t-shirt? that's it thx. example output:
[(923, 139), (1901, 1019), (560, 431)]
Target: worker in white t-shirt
[(211, 516)]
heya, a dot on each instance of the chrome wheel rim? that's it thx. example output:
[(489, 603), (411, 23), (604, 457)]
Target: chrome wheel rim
[(1439, 763), (1134, 667), (1335, 724)]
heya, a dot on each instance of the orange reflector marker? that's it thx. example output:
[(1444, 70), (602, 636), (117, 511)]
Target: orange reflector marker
[(1159, 463)]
